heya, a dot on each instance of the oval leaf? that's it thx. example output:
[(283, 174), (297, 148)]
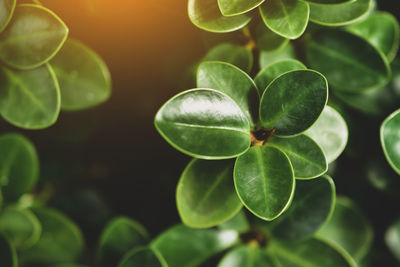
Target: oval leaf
[(8, 255), (390, 140), (83, 76), (144, 257), (293, 102), (206, 15), (237, 7), (264, 181), (288, 18), (307, 158), (349, 62), (270, 57), (6, 11), (29, 99), (32, 38), (392, 239), (204, 123), (248, 256)]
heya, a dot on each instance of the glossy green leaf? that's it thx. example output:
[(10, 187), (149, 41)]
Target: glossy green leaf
[(390, 139), (19, 166), (8, 255), (271, 72), (232, 81), (21, 227), (264, 181), (206, 15), (237, 223), (381, 29), (341, 14), (307, 158), (205, 195), (83, 76), (266, 39), (204, 123), (326, 2), (348, 61), (61, 240), (309, 253), (234, 54), (143, 257), (248, 256), (118, 237), (349, 229), (6, 11), (330, 132), (237, 7), (270, 57), (32, 38), (293, 102), (30, 98), (181, 246), (288, 18), (392, 239)]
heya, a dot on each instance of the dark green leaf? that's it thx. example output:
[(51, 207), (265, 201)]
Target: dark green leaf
[(237, 7), (6, 11), (32, 38), (349, 62), (8, 255), (83, 76), (264, 181), (143, 257), (390, 140), (204, 123), (237, 223), (330, 1), (392, 239), (267, 40), (69, 265), (293, 102), (248, 256), (270, 57)]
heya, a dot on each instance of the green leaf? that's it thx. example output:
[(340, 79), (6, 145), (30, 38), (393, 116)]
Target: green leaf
[(349, 229), (206, 15), (19, 166), (264, 181), (392, 239), (311, 208), (381, 29), (69, 265), (232, 81), (205, 195), (119, 236), (248, 256), (237, 223), (21, 227), (310, 252), (288, 18), (6, 12), (270, 57), (237, 7), (30, 99), (8, 255), (32, 38), (307, 158), (61, 240), (326, 2), (185, 247), (348, 61), (271, 72), (234, 54), (266, 39), (293, 102), (390, 139), (83, 76), (330, 132), (204, 123), (341, 14), (143, 257)]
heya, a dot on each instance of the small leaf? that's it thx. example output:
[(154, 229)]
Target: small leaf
[(6, 12), (206, 15), (237, 223), (270, 57), (266, 39), (339, 15), (118, 237), (390, 139), (293, 102), (271, 72), (8, 255), (181, 246), (349, 62), (288, 18), (204, 123), (381, 29), (307, 158), (330, 132), (232, 81), (392, 239), (264, 181), (237, 7), (19, 166), (248, 256), (83, 76), (32, 38), (29, 99), (349, 229), (205, 195), (143, 257)]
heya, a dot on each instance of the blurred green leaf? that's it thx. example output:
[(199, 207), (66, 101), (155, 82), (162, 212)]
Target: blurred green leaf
[(330, 1), (392, 239), (143, 257), (248, 256), (6, 12), (8, 255), (237, 223), (270, 57)]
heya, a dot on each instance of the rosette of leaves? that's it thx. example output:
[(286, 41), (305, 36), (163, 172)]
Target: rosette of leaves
[(41, 72), (287, 18)]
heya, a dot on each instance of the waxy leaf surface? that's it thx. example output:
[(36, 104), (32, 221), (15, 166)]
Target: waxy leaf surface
[(143, 257), (248, 256), (237, 7), (8, 255), (204, 123), (270, 57), (390, 140), (6, 11)]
